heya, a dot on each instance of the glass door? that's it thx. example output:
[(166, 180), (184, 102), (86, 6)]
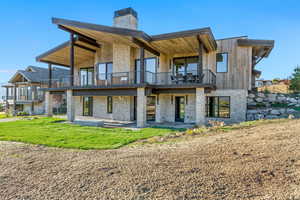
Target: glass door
[(87, 76), (151, 100), (179, 109), (87, 106)]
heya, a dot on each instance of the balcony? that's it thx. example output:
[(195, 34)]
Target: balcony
[(6, 98), (133, 79)]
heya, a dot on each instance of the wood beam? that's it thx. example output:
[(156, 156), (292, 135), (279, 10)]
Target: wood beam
[(88, 41), (145, 46), (54, 63), (200, 41), (77, 33), (72, 59), (85, 48)]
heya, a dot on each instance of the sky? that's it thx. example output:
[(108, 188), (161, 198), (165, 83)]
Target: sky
[(27, 31)]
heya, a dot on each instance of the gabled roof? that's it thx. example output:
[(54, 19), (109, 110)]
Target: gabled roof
[(35, 74)]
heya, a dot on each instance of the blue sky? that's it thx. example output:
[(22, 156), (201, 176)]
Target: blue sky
[(27, 31)]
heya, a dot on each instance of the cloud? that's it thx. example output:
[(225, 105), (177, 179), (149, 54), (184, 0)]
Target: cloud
[(7, 71)]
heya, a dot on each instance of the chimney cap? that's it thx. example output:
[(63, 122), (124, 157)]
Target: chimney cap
[(125, 11)]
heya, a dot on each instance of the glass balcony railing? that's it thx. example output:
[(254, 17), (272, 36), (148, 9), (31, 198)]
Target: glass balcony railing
[(205, 77)]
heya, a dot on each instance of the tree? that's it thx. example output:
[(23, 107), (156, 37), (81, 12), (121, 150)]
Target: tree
[(295, 80)]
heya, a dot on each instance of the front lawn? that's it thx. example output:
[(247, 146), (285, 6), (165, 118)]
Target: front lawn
[(47, 131)]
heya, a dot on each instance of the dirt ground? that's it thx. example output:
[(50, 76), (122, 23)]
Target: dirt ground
[(256, 163)]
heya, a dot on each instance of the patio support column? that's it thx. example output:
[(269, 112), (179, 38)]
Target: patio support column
[(142, 65), (48, 104), (70, 106), (15, 100), (141, 108), (49, 75), (200, 106), (72, 59), (6, 102)]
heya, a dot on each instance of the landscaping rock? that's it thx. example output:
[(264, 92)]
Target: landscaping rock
[(272, 117), (251, 95), (272, 97), (259, 100), (262, 95), (275, 112)]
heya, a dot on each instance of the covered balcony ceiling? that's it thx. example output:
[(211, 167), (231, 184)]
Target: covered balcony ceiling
[(60, 55), (170, 43)]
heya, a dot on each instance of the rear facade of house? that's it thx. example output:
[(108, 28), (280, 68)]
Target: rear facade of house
[(120, 73)]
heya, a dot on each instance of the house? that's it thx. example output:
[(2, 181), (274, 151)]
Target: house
[(23, 91), (121, 73)]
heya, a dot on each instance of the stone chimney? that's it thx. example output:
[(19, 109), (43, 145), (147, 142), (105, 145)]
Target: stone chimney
[(126, 18)]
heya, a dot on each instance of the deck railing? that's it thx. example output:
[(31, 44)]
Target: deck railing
[(205, 77)]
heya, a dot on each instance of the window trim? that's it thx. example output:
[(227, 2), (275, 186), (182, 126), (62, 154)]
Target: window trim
[(206, 107), (109, 104), (227, 63)]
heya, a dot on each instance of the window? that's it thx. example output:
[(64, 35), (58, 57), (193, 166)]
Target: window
[(150, 69), (218, 107), (109, 104), (222, 62), (105, 70), (187, 65)]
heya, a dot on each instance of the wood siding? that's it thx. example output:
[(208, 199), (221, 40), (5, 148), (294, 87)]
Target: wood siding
[(239, 71)]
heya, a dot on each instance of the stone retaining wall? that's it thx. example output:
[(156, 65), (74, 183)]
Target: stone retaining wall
[(272, 106)]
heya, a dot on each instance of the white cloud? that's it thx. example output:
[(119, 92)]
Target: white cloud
[(7, 71)]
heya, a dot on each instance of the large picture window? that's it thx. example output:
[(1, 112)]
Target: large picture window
[(186, 65), (218, 107), (222, 62), (109, 104)]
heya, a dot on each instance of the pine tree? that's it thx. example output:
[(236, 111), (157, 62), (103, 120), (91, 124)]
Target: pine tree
[(295, 80)]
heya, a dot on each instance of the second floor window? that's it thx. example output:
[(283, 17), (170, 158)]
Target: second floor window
[(222, 62), (186, 65), (105, 71)]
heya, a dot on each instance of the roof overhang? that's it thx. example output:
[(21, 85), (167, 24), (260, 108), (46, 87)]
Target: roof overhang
[(185, 41), (60, 55), (17, 76), (169, 43), (260, 48), (256, 73)]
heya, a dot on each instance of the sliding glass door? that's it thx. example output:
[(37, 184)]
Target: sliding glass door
[(87, 76)]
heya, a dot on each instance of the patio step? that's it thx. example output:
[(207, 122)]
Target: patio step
[(89, 123)]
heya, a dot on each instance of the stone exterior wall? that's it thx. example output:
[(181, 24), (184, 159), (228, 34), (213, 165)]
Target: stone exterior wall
[(238, 105), (122, 106), (272, 106)]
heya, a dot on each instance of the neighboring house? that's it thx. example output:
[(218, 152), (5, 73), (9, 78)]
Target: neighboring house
[(122, 73), (261, 83), (275, 86), (23, 92)]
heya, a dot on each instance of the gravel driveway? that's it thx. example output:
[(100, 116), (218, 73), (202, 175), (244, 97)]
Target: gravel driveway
[(257, 163)]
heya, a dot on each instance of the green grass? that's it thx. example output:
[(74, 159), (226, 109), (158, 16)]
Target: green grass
[(3, 116), (46, 131)]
